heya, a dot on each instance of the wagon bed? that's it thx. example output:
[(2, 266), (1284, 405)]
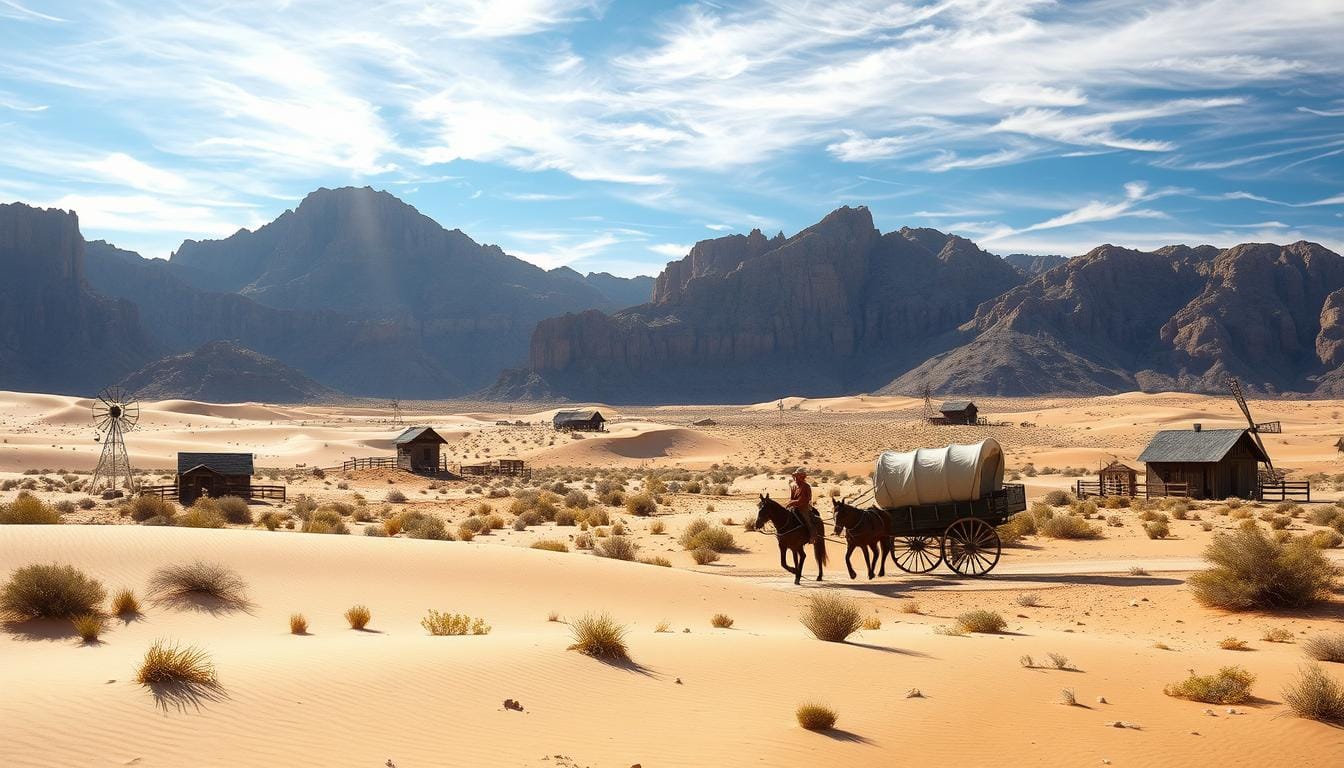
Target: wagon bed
[(958, 533)]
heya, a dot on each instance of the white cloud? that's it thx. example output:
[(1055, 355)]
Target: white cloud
[(670, 250), (858, 148), (1032, 95), (1136, 194)]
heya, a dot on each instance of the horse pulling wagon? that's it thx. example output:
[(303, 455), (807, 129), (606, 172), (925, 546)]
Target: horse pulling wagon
[(934, 506)]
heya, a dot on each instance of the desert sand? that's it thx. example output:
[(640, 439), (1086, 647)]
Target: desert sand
[(695, 695)]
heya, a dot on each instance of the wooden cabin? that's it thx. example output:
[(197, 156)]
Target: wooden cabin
[(1207, 463), (1116, 479), (418, 450), (213, 475), (957, 412), (579, 421)]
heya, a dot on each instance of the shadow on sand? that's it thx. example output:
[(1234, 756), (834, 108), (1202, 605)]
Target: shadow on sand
[(182, 697)]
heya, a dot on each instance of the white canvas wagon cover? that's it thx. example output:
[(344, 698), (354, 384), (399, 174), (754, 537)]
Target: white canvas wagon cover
[(938, 475)]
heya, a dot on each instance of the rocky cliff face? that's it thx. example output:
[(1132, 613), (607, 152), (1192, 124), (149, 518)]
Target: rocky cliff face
[(1177, 318), (835, 307), (1031, 265), (223, 371), (56, 335)]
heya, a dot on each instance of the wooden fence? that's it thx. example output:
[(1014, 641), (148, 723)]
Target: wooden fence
[(1085, 488), (250, 492), (1285, 490)]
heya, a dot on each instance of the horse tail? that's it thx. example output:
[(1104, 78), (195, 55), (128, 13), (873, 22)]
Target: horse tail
[(819, 550)]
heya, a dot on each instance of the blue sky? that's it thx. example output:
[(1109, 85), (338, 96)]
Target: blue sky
[(613, 135)]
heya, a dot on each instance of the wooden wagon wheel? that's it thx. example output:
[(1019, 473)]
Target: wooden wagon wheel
[(971, 547), (916, 554)]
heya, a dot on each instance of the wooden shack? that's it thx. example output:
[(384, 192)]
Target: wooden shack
[(213, 475), (579, 421), (1204, 463), (1116, 479), (418, 450), (957, 412)]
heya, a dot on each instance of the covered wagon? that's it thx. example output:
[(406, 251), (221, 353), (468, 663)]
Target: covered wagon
[(943, 504)]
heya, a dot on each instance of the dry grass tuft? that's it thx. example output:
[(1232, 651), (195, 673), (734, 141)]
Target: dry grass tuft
[(1231, 685), (872, 622), (1233, 644), (704, 556), (657, 560), (1058, 661), (1277, 635), (912, 606), (125, 603), (1325, 647), (1068, 527), (721, 621), (988, 622), (832, 618), (816, 717), (166, 664), (89, 626), (1068, 698), (617, 548), (551, 545), (440, 624), (298, 624), (50, 592), (553, 616), (1315, 695), (600, 636), (185, 581), (358, 617), (1252, 571), (28, 510), (1028, 599)]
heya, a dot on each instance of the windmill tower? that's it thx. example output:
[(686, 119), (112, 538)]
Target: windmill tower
[(115, 412), (1268, 427), (928, 404), (396, 413)]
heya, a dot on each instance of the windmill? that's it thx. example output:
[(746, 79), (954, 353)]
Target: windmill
[(928, 404), (1268, 427), (115, 412), (396, 413)]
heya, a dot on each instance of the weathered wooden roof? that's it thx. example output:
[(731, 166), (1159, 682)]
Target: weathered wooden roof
[(1116, 466), (223, 463), (1188, 445), (580, 415), (415, 433), (955, 406)]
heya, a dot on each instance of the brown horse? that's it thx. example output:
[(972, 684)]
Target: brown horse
[(867, 530), (792, 533)]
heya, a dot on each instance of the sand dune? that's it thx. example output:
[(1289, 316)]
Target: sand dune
[(638, 442)]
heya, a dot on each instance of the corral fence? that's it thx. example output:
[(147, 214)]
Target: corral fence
[(1086, 488)]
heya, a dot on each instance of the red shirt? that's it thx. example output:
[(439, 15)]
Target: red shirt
[(801, 495)]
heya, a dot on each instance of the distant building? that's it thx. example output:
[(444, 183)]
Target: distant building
[(213, 475), (579, 421), (418, 449), (1209, 463), (1118, 480), (957, 412)]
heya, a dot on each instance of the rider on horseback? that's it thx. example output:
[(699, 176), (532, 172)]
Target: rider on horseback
[(800, 502)]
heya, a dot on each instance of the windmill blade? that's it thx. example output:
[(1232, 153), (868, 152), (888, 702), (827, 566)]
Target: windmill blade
[(1235, 387)]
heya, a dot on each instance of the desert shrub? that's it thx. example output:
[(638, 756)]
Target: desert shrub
[(617, 548), (298, 624), (577, 499), (202, 514), (658, 560), (375, 531), (304, 506), (981, 621), (1117, 502), (704, 556), (28, 510), (872, 622), (831, 617), (583, 541), (721, 621), (1323, 515), (815, 717), (272, 520), (657, 528), (699, 533), (50, 592), (325, 521), (1028, 599), (1326, 539), (1157, 529), (125, 603), (1315, 695), (1149, 515), (64, 507), (551, 545), (473, 524), (641, 504), (1231, 685), (600, 636), (1057, 498), (166, 664), (86, 503), (1251, 571), (395, 496), (1058, 661), (358, 617), (199, 578), (1069, 527), (1325, 647), (234, 510), (1277, 635), (1279, 522), (1233, 644), (88, 626), (566, 517), (1115, 521), (426, 527), (597, 516), (440, 624)]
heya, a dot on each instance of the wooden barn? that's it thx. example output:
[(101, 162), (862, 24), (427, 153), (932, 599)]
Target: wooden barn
[(418, 450), (957, 412), (1204, 463), (213, 475), (579, 421), (1117, 479)]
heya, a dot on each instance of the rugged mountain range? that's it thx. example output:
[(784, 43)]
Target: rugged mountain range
[(1032, 265), (837, 307), (355, 288), (222, 371)]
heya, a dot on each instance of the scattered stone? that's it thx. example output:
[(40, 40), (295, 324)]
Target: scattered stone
[(1232, 711), (1210, 713), (1122, 724), (678, 681), (513, 705), (1102, 700), (914, 693)]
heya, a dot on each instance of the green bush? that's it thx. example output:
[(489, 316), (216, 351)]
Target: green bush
[(1252, 571), (50, 592), (1231, 685)]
